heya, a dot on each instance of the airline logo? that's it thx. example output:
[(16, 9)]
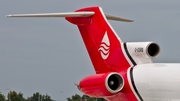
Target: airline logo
[(104, 48)]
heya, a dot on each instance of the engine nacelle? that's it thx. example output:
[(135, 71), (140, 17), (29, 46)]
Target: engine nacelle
[(143, 52), (102, 84), (143, 49)]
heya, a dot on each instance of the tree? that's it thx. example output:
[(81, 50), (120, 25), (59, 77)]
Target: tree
[(88, 98), (13, 96), (101, 99), (20, 96), (38, 97), (46, 98), (77, 97), (2, 97)]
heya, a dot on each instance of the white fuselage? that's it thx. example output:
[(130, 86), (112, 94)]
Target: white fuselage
[(157, 82)]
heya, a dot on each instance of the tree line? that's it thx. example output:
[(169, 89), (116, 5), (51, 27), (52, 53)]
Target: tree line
[(77, 97), (14, 96)]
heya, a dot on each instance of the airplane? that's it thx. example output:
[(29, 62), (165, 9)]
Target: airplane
[(124, 70)]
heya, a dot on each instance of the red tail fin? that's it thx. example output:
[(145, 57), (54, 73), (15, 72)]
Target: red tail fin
[(101, 41)]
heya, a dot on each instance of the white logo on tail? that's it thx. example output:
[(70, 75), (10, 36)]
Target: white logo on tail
[(104, 47)]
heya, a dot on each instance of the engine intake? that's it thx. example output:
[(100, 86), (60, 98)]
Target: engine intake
[(114, 82), (153, 49)]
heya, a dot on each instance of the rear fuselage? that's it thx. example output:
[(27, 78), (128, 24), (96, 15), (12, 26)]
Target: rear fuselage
[(157, 82)]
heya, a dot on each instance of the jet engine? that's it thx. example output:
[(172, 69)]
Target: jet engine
[(142, 52), (143, 49), (105, 84)]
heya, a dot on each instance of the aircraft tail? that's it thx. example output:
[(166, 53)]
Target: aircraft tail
[(101, 41)]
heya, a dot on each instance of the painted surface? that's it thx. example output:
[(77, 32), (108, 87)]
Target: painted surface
[(157, 82)]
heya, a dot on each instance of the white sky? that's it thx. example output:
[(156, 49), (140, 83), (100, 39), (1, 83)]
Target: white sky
[(48, 55)]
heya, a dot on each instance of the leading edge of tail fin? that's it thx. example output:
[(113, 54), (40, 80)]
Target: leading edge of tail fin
[(102, 43)]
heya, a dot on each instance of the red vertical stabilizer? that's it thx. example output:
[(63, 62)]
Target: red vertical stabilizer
[(101, 41)]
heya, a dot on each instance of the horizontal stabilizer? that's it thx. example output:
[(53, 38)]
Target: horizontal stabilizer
[(116, 18), (68, 14)]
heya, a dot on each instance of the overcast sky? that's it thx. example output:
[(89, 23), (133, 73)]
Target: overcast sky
[(47, 55)]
